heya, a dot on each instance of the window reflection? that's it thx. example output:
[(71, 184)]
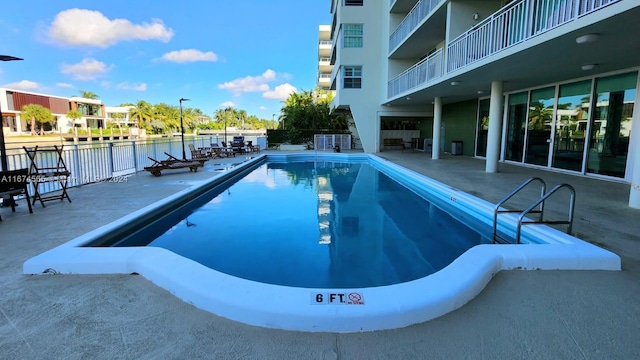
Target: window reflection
[(516, 121), (539, 125), (611, 127), (573, 109)]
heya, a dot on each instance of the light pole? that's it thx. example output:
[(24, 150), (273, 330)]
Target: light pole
[(3, 147), (184, 155)]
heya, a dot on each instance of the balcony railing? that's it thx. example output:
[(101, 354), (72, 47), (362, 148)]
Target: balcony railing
[(411, 21), (419, 74), (513, 24)]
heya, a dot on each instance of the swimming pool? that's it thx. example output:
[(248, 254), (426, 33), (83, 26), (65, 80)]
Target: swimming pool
[(336, 225), (316, 308)]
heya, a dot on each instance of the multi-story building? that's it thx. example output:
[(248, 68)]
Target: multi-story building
[(13, 101), (544, 83), (119, 115), (324, 62)]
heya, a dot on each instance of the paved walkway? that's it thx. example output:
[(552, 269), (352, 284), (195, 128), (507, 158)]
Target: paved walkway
[(519, 315)]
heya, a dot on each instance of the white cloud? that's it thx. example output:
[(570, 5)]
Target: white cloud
[(87, 69), (250, 83), (227, 104), (281, 92), (262, 108), (135, 87), (91, 28), (23, 85), (190, 55), (64, 85)]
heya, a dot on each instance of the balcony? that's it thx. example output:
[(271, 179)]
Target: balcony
[(324, 80), (419, 74), (419, 12), (324, 64), (324, 48), (513, 24)]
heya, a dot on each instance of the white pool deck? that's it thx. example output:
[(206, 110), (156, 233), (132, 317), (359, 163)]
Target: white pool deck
[(291, 308), (519, 314)]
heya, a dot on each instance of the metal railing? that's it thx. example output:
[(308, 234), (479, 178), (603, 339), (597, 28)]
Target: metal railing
[(428, 69), (108, 161), (411, 21), (537, 207), (513, 24), (329, 141)]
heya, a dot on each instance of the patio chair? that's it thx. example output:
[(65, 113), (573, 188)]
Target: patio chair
[(220, 152), (198, 154), (13, 183)]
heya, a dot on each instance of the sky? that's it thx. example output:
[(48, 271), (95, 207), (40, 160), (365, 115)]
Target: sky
[(249, 54)]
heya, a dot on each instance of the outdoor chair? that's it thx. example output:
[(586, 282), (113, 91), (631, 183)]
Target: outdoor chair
[(219, 152), (12, 183), (198, 154), (170, 164)]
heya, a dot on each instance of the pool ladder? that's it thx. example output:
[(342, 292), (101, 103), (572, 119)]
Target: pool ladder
[(536, 207)]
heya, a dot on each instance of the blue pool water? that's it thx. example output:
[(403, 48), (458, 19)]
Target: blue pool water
[(320, 225)]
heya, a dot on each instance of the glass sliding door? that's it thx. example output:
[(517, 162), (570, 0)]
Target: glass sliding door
[(569, 133), (539, 126), (483, 127), (611, 125), (516, 121)]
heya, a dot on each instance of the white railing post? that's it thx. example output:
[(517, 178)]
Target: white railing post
[(134, 154), (110, 159)]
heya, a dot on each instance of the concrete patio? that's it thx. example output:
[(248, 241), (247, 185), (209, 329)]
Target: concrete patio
[(520, 314)]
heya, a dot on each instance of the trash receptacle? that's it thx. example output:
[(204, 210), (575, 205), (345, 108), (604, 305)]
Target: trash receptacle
[(456, 147)]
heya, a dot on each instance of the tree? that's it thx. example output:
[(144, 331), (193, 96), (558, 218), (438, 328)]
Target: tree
[(142, 112), (74, 115), (88, 94), (118, 119), (38, 114), (310, 110)]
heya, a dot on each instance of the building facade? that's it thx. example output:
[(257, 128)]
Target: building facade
[(324, 62), (544, 83), (13, 101)]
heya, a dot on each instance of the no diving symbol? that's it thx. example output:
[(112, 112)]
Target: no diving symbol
[(355, 298)]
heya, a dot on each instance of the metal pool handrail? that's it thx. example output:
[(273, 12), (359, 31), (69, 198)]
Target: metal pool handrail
[(568, 222), (497, 238)]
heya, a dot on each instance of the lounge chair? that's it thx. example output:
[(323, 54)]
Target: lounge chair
[(172, 163), (198, 154), (221, 151)]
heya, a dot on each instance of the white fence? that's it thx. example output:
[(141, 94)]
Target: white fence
[(99, 161), (329, 141)]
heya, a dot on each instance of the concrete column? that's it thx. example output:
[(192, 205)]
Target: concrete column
[(634, 153), (495, 127), (437, 124)]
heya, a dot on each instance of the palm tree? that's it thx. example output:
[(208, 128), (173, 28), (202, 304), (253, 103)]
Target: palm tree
[(117, 117), (88, 94), (37, 114), (74, 115), (142, 112)]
